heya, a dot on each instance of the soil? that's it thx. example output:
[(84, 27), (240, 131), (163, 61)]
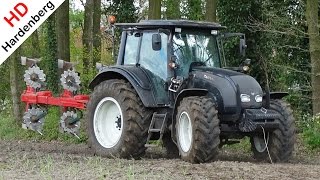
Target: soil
[(56, 160)]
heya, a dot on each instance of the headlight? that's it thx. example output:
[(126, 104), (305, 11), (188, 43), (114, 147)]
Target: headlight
[(258, 98), (245, 98)]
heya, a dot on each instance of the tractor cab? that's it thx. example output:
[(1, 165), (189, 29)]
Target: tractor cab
[(157, 43), (168, 50)]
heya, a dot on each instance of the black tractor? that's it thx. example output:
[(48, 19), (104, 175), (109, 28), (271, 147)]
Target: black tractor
[(170, 84)]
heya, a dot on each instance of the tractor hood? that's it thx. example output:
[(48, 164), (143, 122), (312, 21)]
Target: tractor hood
[(233, 86)]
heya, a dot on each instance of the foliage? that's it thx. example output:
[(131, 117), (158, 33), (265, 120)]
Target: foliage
[(5, 84), (311, 133), (276, 38), (124, 10), (76, 19), (195, 10), (50, 59), (172, 9)]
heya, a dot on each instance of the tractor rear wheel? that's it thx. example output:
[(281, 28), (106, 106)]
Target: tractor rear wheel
[(280, 142), (197, 129), (117, 120)]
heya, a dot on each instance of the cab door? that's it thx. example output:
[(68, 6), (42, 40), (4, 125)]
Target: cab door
[(155, 63)]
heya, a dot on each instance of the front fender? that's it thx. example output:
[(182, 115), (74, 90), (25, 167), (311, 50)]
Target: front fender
[(277, 95), (134, 75)]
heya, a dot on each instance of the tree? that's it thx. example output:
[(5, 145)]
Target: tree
[(125, 11), (50, 59), (314, 48), (236, 15), (154, 9), (14, 85), (63, 31), (91, 38), (195, 10), (173, 9), (96, 32), (36, 53), (87, 35), (211, 10)]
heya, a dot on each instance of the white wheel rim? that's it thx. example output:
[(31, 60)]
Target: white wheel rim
[(260, 143), (107, 117), (185, 132)]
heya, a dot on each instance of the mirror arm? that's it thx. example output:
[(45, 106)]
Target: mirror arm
[(227, 35), (113, 42)]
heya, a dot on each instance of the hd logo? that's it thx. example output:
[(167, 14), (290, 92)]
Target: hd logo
[(18, 20)]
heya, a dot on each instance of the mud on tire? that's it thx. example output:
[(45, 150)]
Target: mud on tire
[(136, 120), (281, 141), (205, 130)]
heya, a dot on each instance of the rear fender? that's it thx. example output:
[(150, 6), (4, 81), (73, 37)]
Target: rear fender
[(135, 76)]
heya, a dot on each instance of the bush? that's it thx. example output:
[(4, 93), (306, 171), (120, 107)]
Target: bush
[(311, 133)]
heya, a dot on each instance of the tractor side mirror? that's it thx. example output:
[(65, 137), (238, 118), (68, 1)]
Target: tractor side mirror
[(156, 42), (243, 47)]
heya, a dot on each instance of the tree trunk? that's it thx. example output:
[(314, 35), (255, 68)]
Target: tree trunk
[(51, 55), (87, 35), (14, 85), (173, 9), (314, 45), (63, 31), (211, 10), (154, 9), (36, 53), (96, 33)]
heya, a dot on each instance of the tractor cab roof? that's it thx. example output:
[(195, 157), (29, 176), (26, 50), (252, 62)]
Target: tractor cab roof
[(170, 24)]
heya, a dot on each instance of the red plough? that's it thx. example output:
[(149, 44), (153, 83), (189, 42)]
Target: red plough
[(37, 98)]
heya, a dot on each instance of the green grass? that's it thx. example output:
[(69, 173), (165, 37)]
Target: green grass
[(10, 130), (243, 146)]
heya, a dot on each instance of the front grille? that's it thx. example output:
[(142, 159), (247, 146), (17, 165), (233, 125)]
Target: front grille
[(261, 114)]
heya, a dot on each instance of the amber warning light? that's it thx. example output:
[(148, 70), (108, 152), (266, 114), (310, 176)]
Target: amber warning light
[(112, 19)]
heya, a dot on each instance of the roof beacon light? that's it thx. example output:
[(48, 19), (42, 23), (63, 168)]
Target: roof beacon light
[(112, 19)]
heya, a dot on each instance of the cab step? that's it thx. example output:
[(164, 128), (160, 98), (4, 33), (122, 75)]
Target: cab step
[(157, 125)]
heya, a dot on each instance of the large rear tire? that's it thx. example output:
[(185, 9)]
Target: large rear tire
[(197, 129), (117, 121), (281, 141)]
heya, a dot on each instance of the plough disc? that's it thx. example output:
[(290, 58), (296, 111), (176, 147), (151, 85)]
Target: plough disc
[(34, 77), (34, 119)]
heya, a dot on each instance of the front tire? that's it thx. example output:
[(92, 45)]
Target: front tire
[(197, 129), (281, 141), (117, 121)]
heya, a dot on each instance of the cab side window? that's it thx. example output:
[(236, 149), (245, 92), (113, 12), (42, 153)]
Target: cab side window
[(131, 50), (154, 61)]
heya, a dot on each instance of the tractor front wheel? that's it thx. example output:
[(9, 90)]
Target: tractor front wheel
[(117, 120), (197, 129), (280, 142)]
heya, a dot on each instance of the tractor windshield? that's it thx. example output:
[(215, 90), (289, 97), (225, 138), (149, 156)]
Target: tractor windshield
[(191, 46)]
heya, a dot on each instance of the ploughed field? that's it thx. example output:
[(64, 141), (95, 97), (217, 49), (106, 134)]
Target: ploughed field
[(56, 160)]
